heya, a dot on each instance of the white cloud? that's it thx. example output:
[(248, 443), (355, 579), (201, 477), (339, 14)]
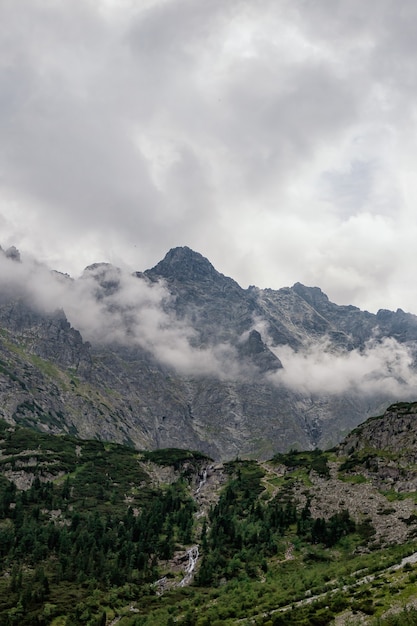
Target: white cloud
[(111, 306), (384, 366), (276, 138)]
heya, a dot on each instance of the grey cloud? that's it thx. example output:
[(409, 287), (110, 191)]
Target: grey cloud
[(65, 145), (350, 190), (111, 306), (233, 127)]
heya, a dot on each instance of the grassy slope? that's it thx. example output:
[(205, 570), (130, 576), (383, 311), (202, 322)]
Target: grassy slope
[(261, 560)]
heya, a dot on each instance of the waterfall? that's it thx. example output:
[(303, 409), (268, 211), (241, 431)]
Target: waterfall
[(193, 554), (202, 482)]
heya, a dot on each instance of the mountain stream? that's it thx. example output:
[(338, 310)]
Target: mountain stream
[(193, 554)]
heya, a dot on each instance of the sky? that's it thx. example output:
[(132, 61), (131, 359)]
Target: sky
[(278, 138)]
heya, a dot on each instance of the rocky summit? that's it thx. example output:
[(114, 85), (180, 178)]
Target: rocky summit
[(182, 356)]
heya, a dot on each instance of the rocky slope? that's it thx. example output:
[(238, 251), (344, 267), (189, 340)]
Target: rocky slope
[(304, 529), (364, 474), (384, 449), (196, 367)]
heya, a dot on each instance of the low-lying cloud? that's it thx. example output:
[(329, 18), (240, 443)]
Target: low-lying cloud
[(382, 366), (112, 306)]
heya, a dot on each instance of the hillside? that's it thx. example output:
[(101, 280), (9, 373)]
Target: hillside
[(99, 533), (182, 356)]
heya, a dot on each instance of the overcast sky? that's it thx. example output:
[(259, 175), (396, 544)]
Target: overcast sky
[(276, 137)]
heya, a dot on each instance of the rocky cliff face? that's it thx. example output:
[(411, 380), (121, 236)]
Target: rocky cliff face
[(384, 448), (394, 431), (230, 401)]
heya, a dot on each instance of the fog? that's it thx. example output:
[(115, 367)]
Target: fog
[(109, 305), (275, 137), (383, 365)]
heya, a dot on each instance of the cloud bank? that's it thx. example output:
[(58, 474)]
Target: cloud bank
[(278, 138), (111, 306), (383, 366)]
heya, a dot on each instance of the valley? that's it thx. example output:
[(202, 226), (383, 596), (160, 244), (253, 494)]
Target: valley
[(98, 533), (175, 449)]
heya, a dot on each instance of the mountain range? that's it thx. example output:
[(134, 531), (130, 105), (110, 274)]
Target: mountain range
[(182, 356)]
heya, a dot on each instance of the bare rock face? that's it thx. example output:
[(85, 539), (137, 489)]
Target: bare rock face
[(52, 379), (48, 336), (384, 448), (394, 431), (183, 265), (258, 353), (106, 276)]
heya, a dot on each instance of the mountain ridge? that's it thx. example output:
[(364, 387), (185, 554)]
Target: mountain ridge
[(180, 355)]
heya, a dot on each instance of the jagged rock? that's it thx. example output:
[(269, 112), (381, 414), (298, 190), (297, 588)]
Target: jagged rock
[(259, 353), (183, 265), (49, 336), (385, 448), (51, 378), (400, 325), (395, 430), (107, 277)]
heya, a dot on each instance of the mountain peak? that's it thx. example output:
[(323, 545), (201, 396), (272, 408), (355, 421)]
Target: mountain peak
[(183, 264), (106, 275), (259, 353), (312, 295)]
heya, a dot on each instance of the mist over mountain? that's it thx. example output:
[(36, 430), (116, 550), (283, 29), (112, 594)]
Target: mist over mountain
[(180, 355)]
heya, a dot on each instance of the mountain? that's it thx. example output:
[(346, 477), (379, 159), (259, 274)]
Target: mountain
[(98, 533), (181, 356)]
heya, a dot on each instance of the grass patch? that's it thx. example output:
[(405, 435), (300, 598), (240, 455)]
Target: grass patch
[(315, 460)]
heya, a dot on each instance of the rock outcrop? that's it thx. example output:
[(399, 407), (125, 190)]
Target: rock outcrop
[(53, 379)]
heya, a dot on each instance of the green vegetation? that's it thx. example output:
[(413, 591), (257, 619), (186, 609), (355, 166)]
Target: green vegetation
[(245, 532), (100, 527), (48, 368), (5, 369), (92, 532), (406, 617), (403, 407), (315, 460), (175, 457)]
